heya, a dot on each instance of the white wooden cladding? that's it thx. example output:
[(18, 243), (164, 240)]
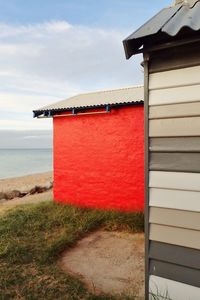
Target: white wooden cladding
[(174, 127), (175, 236), (174, 78), (175, 199), (175, 218), (174, 290), (174, 110), (175, 95), (175, 180), (175, 86)]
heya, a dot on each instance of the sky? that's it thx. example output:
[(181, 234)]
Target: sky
[(53, 49)]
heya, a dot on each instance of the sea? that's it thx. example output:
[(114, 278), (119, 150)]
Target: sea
[(20, 162)]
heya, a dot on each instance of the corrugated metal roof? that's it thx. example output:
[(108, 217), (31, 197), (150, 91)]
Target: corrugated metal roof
[(102, 98), (170, 21)]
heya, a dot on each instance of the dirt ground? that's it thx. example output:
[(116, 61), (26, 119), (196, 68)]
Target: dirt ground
[(109, 262)]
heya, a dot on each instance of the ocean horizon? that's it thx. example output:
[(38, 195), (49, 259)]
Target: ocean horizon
[(20, 162)]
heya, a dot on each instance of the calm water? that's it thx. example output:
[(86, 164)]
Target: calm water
[(19, 162)]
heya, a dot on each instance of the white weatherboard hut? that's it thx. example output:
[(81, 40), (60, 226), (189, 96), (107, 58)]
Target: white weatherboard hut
[(170, 43)]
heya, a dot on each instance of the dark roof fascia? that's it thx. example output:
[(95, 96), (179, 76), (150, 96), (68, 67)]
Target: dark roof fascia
[(171, 43), (163, 16), (150, 28), (153, 36), (147, 43), (164, 41), (51, 112)]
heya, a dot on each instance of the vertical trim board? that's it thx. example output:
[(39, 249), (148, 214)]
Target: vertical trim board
[(174, 127), (175, 218), (172, 78), (175, 95), (175, 236), (175, 199), (146, 158), (174, 144), (174, 289), (175, 180)]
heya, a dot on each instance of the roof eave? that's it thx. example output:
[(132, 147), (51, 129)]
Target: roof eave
[(163, 40), (131, 50), (167, 26), (49, 113)]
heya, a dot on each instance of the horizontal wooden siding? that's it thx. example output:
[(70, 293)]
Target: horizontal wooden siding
[(174, 173), (175, 144)]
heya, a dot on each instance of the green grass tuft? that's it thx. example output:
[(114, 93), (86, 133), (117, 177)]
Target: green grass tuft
[(33, 237)]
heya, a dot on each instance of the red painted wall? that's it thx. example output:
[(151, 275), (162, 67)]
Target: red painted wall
[(99, 160)]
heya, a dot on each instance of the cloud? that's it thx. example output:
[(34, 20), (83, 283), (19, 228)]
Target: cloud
[(43, 63), (9, 124)]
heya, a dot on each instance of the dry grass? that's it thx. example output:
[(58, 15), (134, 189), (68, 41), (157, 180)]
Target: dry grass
[(32, 238)]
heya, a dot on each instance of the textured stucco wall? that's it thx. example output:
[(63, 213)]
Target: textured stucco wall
[(99, 160)]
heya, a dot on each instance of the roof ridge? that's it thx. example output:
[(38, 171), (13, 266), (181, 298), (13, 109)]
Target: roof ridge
[(190, 3)]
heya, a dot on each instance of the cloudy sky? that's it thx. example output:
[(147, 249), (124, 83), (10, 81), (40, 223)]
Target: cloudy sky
[(53, 49)]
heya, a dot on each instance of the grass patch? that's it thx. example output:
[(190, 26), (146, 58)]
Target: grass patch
[(32, 238)]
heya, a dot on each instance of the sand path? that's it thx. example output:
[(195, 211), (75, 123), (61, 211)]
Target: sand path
[(109, 262)]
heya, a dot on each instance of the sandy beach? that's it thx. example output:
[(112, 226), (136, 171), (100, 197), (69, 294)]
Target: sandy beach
[(25, 184)]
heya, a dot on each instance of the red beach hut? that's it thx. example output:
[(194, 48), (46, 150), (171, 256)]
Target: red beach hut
[(98, 149)]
